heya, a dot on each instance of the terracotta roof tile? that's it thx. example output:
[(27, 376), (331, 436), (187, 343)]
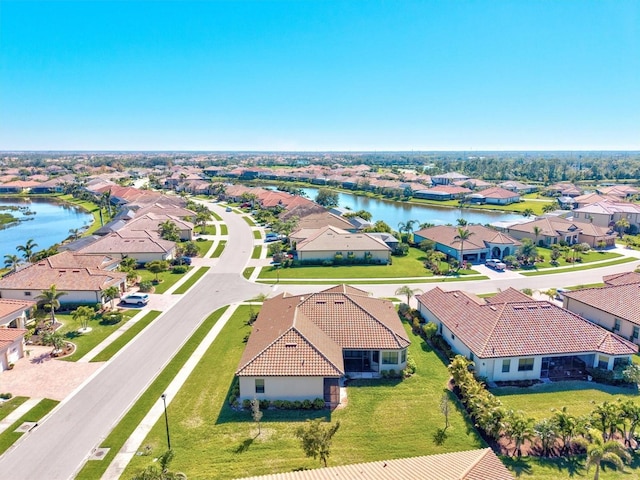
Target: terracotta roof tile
[(10, 335), (621, 278), (620, 300)]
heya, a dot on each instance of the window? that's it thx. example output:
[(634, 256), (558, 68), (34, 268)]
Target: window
[(636, 332), (453, 337), (506, 365), (403, 356), (603, 362), (616, 325), (27, 294), (389, 358), (259, 385), (525, 364)]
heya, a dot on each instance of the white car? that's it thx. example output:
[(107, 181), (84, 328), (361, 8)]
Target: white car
[(139, 299), (495, 264)]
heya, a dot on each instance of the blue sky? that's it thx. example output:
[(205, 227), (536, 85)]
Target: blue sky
[(320, 75)]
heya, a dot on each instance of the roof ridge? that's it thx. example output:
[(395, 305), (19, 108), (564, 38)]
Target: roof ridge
[(495, 321), (393, 333), (252, 359), (473, 465), (320, 352)]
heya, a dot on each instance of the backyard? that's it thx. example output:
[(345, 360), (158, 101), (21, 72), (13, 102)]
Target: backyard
[(214, 441)]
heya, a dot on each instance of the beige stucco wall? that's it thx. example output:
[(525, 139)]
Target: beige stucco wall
[(600, 317), (70, 297), (382, 255), (283, 388), (11, 353)]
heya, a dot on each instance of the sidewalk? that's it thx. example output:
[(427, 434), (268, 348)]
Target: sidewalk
[(17, 413), (132, 445)]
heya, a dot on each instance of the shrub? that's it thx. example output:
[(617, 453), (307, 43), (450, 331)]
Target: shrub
[(327, 263), (307, 405), (111, 318), (180, 269), (200, 239), (403, 308), (429, 330), (264, 404), (232, 399), (6, 396), (318, 404), (384, 373), (146, 286), (246, 403), (297, 404), (411, 366), (415, 325)]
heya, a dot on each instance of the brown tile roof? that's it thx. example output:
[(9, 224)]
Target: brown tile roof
[(497, 192), (331, 238), (554, 226), (10, 335), (449, 189), (521, 328), (467, 465), (10, 309), (304, 335), (621, 278), (481, 235), (620, 301), (71, 260), (152, 221), (508, 295), (125, 242), (323, 219)]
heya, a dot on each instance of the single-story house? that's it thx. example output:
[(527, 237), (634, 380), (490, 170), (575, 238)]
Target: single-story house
[(81, 276), (495, 196), (142, 245), (620, 191), (512, 337), (391, 241), (14, 313), (442, 192), (621, 278), (614, 307), (519, 187), (11, 346), (301, 345), (554, 229), (483, 243), (448, 178), (328, 242), (152, 221), (481, 464)]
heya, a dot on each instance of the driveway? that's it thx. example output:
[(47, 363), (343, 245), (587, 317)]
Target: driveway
[(39, 375)]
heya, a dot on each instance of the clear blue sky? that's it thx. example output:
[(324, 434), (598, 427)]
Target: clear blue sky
[(320, 75)]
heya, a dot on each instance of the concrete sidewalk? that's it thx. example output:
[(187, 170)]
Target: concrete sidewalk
[(132, 445), (17, 413)]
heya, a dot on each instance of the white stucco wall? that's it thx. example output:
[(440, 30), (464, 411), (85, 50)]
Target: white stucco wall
[(283, 388), (382, 255), (600, 317), (71, 296)]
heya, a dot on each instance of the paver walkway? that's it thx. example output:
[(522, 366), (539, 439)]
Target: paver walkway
[(17, 413), (132, 445)]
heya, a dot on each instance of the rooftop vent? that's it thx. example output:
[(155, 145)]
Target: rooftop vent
[(291, 344)]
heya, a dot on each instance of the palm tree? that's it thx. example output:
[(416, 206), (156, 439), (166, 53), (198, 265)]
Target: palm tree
[(527, 212), (461, 222), (408, 292), (551, 293), (549, 207), (75, 233), (12, 261), (112, 293), (27, 249), (463, 234), (407, 227), (83, 314), (621, 226), (519, 428), (50, 298), (599, 450), (537, 231)]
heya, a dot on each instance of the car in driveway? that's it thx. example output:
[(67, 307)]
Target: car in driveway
[(139, 299), (496, 264), (181, 261), (560, 293)]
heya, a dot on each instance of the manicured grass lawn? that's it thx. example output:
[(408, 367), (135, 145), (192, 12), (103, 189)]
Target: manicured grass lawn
[(191, 280), (134, 416), (537, 401), (256, 234), (219, 249), (203, 247), (411, 265), (384, 419), (247, 272), (210, 230), (167, 279), (591, 256), (514, 207), (257, 250), (579, 267), (10, 405), (9, 436), (381, 282), (250, 221), (86, 341), (126, 337), (223, 229), (537, 468), (216, 216)]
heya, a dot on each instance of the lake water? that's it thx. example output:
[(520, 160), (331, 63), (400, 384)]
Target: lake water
[(393, 213), (50, 224)]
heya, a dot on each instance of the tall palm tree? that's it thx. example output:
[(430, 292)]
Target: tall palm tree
[(549, 207), (27, 249), (537, 231), (12, 261), (621, 226), (112, 293), (519, 428), (463, 234), (408, 292), (599, 450), (527, 212), (51, 298)]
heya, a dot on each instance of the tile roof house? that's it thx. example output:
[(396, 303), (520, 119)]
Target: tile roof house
[(484, 242), (83, 277), (511, 339), (11, 346), (481, 464), (142, 245), (621, 278), (301, 345), (151, 222), (606, 214), (328, 242), (14, 313), (614, 307), (495, 196), (518, 187), (442, 192), (620, 191), (448, 178), (554, 229)]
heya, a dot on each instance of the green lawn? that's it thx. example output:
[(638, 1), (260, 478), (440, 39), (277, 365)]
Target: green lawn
[(10, 405), (537, 401), (250, 221), (379, 282), (257, 250), (247, 272), (86, 341), (219, 249), (216, 216), (215, 442), (579, 267), (411, 265), (9, 436), (591, 256), (256, 234), (115, 346), (203, 247), (223, 229), (167, 279), (191, 280), (210, 230), (120, 434), (536, 468)]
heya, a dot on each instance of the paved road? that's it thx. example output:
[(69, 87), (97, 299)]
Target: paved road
[(58, 447)]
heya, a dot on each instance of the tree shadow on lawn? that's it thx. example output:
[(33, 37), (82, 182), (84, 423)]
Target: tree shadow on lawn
[(572, 466), (72, 335), (564, 386)]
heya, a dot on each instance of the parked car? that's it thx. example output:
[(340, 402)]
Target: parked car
[(560, 293), (139, 299), (228, 209), (496, 264), (181, 261)]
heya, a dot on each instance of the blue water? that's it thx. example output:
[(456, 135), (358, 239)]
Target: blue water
[(50, 224), (393, 213)]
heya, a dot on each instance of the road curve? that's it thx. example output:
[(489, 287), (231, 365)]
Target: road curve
[(59, 446)]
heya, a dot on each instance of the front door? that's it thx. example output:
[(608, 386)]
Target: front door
[(331, 391)]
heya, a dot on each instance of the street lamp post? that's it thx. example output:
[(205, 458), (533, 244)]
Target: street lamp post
[(166, 419)]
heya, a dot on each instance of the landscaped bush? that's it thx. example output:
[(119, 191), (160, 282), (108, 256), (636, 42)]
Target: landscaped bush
[(429, 330), (6, 396), (180, 269), (146, 286), (410, 368), (111, 318)]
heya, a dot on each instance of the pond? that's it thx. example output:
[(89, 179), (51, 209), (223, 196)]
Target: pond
[(393, 213), (48, 223)]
